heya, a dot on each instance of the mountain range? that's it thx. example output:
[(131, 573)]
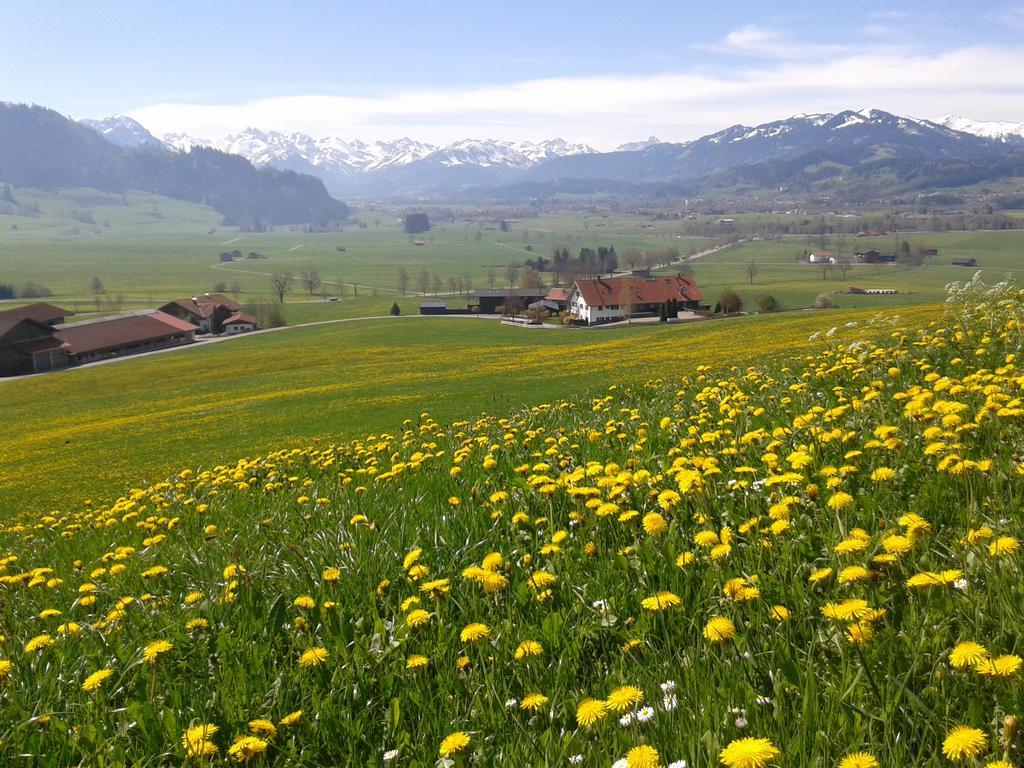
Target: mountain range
[(850, 153)]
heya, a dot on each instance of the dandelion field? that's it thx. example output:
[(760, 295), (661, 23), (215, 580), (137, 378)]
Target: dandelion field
[(813, 562)]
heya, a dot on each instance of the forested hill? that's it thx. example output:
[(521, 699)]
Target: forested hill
[(41, 148)]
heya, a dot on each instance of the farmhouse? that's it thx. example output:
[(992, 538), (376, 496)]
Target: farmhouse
[(605, 300), (240, 323), (126, 334), (29, 346), (41, 312), (821, 257), (207, 312)]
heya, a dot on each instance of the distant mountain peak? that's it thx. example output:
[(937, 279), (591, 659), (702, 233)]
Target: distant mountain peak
[(122, 130), (636, 146), (1001, 130)]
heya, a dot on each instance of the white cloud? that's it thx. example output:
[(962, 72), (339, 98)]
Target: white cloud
[(985, 82)]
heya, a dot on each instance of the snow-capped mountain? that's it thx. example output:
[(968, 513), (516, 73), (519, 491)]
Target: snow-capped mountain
[(800, 151), (122, 130), (989, 129), (636, 146), (342, 156)]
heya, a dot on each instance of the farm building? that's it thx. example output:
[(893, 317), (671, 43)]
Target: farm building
[(29, 346), (434, 308), (127, 334), (41, 312), (240, 323), (972, 262), (605, 300), (491, 301), (821, 257), (557, 300), (928, 251), (207, 312), (874, 256)]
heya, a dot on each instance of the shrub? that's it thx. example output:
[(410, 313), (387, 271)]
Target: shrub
[(395, 309), (767, 303), (824, 301), (729, 302)]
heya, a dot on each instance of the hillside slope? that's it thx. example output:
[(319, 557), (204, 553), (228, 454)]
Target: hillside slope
[(834, 542), (40, 148)]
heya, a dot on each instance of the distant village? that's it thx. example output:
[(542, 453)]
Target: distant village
[(36, 339)]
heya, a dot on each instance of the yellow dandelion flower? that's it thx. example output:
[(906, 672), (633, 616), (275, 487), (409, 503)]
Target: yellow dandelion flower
[(859, 633), (528, 648), (95, 681), (38, 643), (642, 756), (154, 650), (590, 712), (967, 654), (533, 702), (416, 661), (624, 698), (262, 727), (821, 574), (474, 632), (197, 741), (331, 574), (1006, 665), (858, 760), (417, 618), (304, 601), (852, 574), (839, 501), (719, 629), (780, 613), (661, 601), (654, 524), (454, 743), (1004, 546), (246, 748), (963, 743), (312, 657), (292, 718), (748, 753)]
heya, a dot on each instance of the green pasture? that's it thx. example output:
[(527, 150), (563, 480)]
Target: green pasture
[(782, 270)]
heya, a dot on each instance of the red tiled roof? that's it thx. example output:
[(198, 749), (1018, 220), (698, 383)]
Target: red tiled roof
[(204, 306), (117, 332), (645, 290), (558, 294), (195, 309), (220, 298), (40, 312), (241, 317)]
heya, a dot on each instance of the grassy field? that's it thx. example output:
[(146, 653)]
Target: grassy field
[(94, 431), (155, 248), (797, 284), (807, 562)]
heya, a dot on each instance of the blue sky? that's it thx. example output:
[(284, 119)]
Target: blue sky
[(600, 72)]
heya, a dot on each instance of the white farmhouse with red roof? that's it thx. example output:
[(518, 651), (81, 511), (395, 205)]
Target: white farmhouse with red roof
[(605, 300)]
